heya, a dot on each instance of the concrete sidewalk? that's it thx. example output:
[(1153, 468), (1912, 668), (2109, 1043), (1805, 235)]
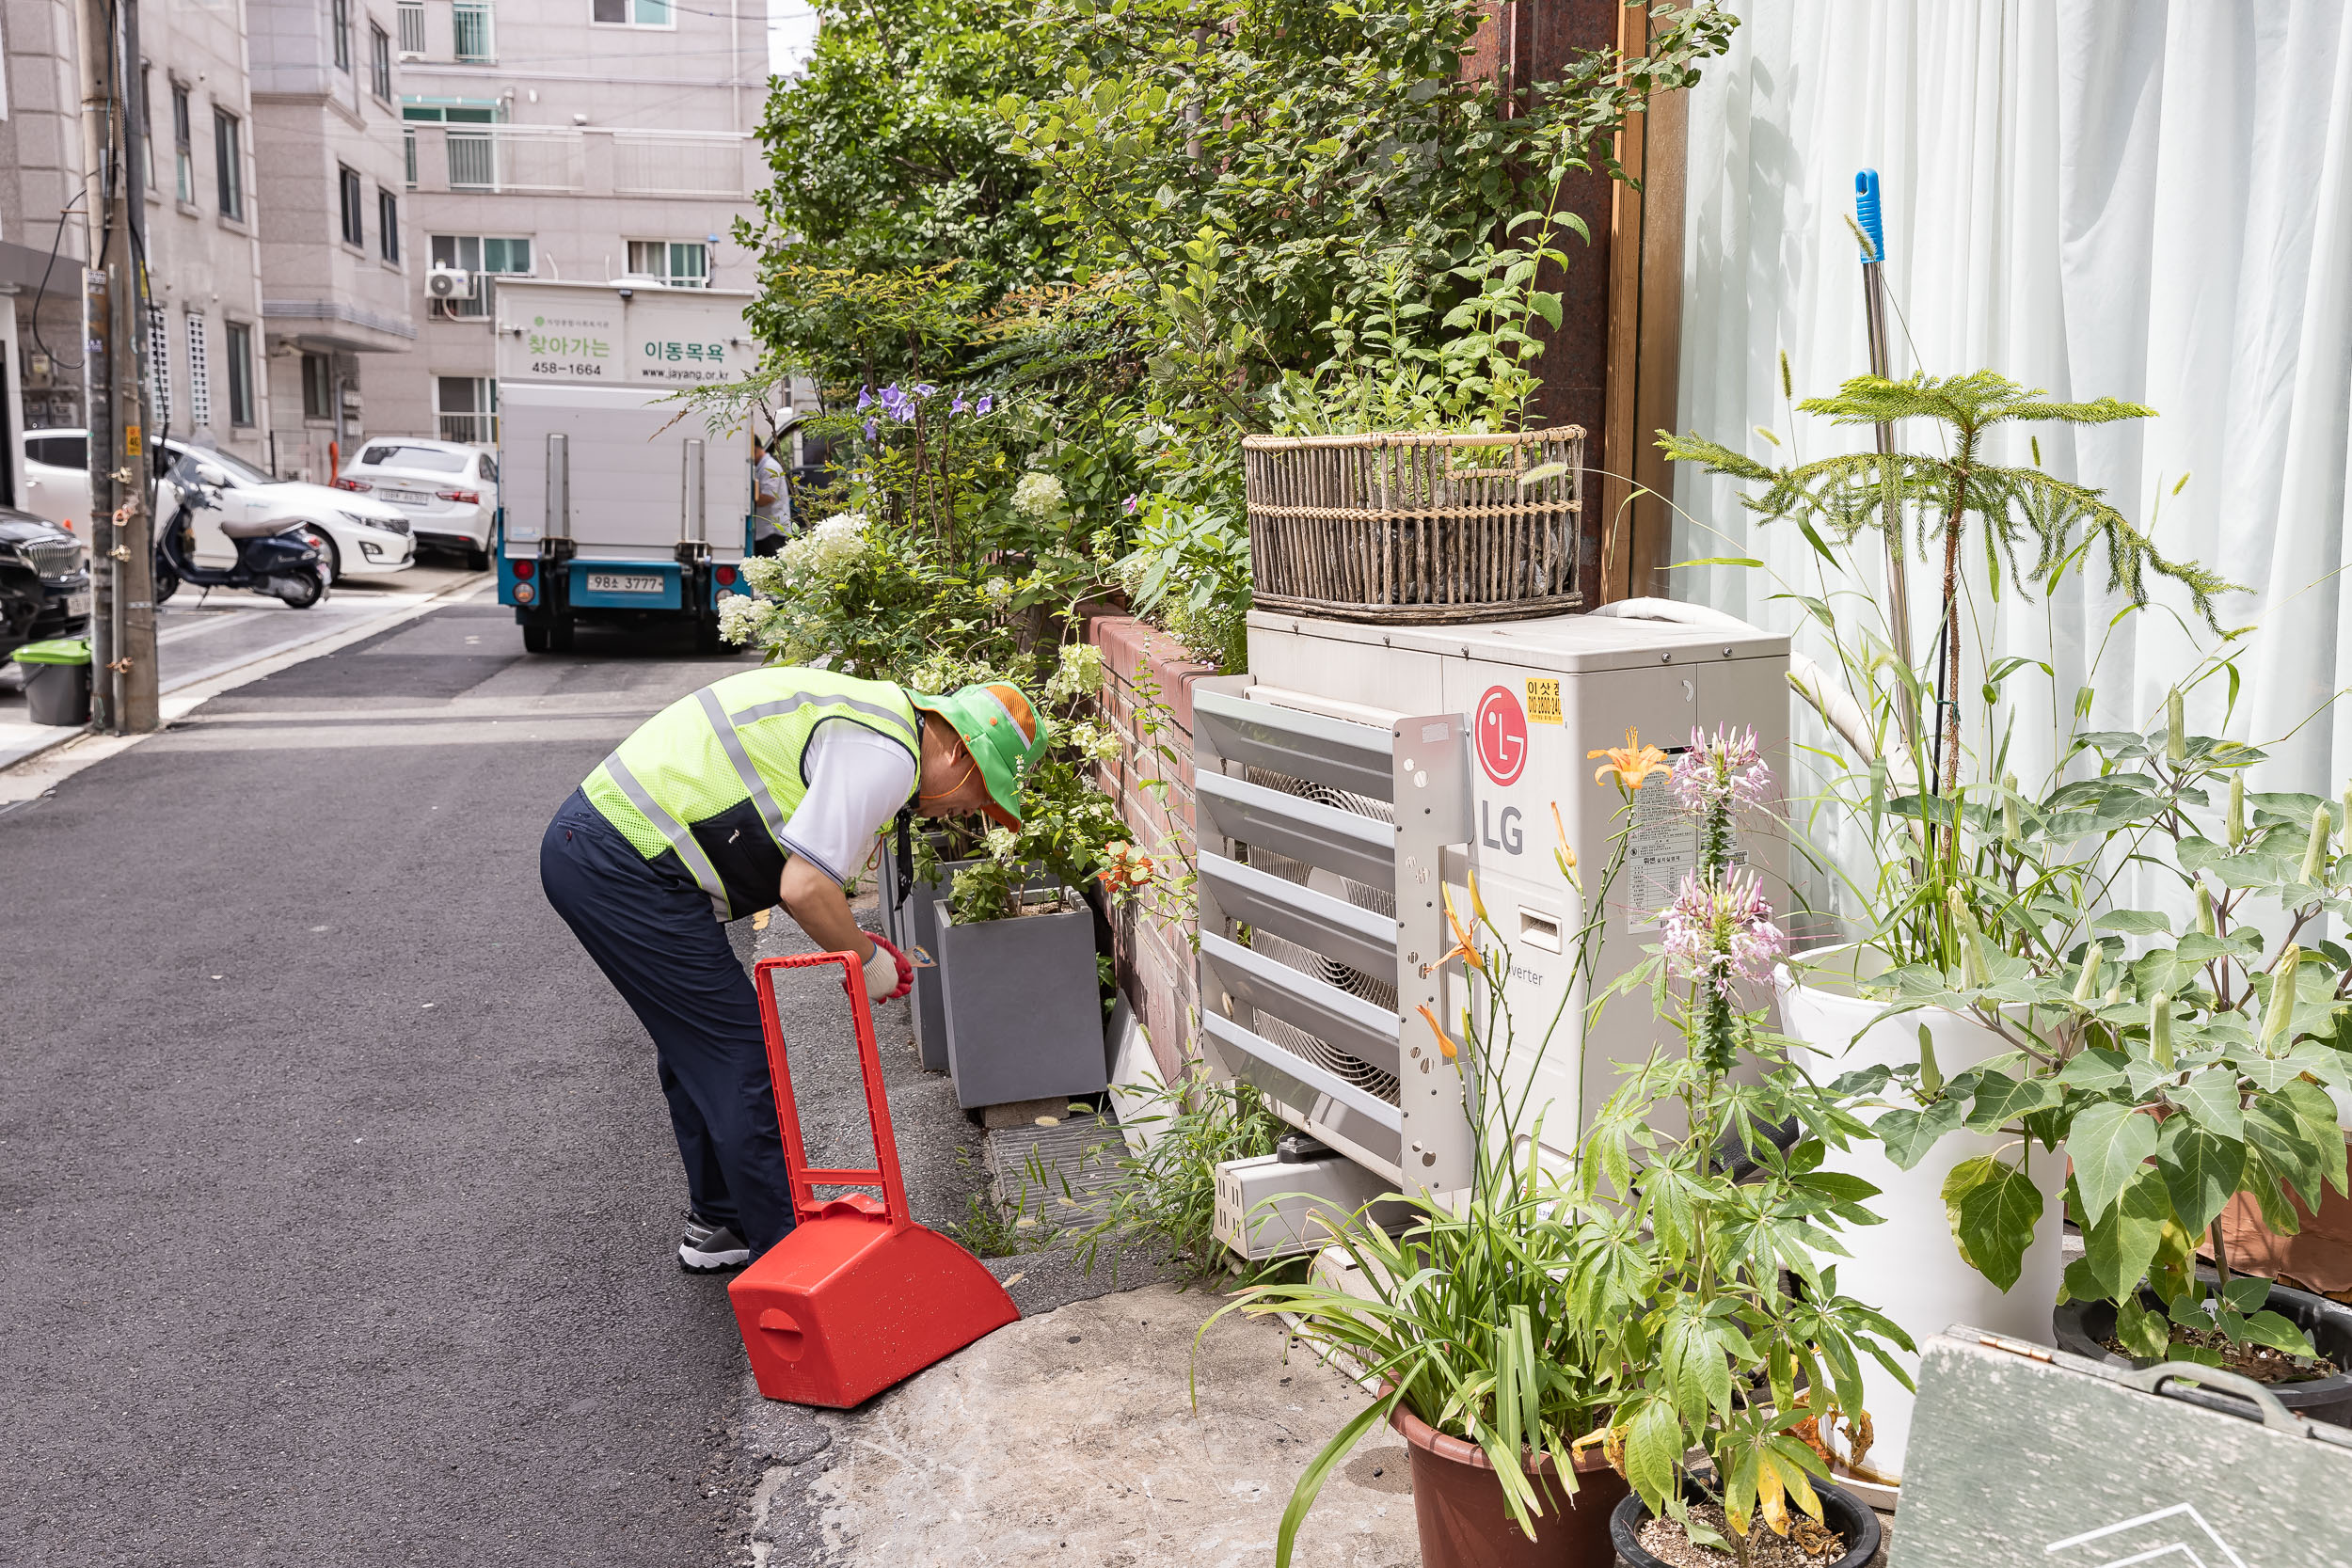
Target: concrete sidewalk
[(1066, 1437)]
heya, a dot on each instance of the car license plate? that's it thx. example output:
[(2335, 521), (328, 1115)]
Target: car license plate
[(77, 604), (406, 498), (623, 582)]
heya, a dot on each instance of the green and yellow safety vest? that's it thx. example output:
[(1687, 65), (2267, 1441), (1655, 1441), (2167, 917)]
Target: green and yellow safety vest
[(713, 778)]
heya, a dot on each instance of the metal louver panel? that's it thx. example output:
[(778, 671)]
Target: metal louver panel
[(1324, 750), (1359, 938), (1355, 847), (1313, 1007), (1284, 1075)]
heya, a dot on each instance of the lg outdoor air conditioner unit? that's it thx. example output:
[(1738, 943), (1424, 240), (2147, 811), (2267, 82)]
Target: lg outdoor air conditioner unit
[(448, 283), (1360, 769)]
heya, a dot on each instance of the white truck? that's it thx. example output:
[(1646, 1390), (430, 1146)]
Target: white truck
[(614, 508)]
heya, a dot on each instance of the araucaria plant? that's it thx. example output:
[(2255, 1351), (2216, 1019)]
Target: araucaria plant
[(1691, 1237)]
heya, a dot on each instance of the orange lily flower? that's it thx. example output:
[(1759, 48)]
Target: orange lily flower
[(1630, 765), (1464, 948), (1444, 1044)]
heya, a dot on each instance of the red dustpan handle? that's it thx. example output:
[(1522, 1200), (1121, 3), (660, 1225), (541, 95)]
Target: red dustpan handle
[(805, 1180)]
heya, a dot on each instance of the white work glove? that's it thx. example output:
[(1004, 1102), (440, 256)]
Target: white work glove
[(888, 974)]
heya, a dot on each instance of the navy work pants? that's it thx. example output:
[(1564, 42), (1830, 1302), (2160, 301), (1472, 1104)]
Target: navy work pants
[(650, 930)]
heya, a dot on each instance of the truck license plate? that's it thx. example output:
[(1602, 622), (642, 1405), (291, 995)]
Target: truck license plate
[(623, 583)]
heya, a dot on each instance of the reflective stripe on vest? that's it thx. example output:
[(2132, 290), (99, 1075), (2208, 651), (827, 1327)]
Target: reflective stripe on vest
[(697, 863), (732, 743)]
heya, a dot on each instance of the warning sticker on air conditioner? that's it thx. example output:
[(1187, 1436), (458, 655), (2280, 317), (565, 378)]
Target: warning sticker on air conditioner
[(1662, 847)]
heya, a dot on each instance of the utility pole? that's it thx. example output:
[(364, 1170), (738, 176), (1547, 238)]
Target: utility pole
[(124, 688)]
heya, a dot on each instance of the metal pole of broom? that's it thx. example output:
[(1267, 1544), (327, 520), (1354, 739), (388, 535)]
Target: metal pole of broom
[(1866, 217)]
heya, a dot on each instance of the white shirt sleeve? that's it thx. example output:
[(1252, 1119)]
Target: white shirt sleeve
[(857, 781)]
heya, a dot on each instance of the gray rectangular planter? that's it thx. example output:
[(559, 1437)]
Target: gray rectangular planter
[(920, 921), (1023, 1013)]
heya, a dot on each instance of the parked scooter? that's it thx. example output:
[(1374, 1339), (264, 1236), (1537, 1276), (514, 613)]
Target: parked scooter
[(272, 557)]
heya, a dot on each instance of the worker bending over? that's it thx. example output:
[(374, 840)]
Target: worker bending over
[(773, 785)]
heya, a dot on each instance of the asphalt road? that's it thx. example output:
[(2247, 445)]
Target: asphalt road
[(335, 1192)]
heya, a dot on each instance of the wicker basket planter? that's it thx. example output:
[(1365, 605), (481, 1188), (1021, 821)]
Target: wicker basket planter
[(1415, 526)]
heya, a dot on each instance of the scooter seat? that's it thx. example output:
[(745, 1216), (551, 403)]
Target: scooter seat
[(254, 528)]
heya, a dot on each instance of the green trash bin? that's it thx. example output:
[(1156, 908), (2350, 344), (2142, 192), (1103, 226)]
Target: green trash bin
[(57, 680)]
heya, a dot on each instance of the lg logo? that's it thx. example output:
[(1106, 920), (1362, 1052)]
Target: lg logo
[(1501, 731)]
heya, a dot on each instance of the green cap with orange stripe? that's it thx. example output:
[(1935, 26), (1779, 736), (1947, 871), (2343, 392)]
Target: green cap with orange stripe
[(1004, 734)]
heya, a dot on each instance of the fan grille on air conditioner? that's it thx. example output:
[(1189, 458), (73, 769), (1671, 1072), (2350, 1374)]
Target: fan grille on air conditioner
[(1379, 993)]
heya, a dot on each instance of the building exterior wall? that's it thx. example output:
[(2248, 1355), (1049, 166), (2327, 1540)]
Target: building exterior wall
[(335, 292), (578, 137), (42, 247), (204, 263)]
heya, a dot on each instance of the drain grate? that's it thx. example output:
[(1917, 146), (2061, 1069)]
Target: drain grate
[(1060, 1176)]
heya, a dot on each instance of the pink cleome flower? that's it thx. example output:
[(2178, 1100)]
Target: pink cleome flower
[(1724, 767), (1721, 932)]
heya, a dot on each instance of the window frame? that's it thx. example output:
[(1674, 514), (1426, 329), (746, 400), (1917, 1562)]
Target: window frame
[(487, 51), (483, 392), (182, 142), (668, 274), (379, 62), (339, 27), (318, 386), (228, 163), (404, 11), (478, 308), (236, 344), (631, 10), (352, 219), (386, 227)]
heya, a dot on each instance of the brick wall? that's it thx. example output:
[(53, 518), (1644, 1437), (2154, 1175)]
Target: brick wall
[(1143, 666)]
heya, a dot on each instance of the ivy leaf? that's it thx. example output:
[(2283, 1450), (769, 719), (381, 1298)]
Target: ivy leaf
[(1908, 1134), (2120, 1247), (2201, 1170), (2107, 1143), (1993, 1208)]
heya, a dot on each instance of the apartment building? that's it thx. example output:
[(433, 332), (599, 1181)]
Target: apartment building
[(566, 139), (42, 238), (336, 259)]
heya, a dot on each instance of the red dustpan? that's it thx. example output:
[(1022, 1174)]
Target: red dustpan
[(858, 1296)]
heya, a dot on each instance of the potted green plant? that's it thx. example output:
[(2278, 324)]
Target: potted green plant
[(1908, 826), (1544, 1339)]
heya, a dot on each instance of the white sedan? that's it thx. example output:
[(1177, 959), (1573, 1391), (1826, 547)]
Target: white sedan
[(365, 537), (449, 491)]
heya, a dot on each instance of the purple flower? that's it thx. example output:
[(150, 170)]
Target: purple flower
[(987, 402), (1721, 932), (870, 428), (960, 405), (865, 399), (1725, 768), (896, 403), (1131, 503), (925, 390)]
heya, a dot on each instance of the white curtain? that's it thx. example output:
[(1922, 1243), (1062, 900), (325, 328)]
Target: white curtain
[(2150, 201)]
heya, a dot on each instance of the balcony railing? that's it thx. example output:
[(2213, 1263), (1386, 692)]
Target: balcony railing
[(565, 159)]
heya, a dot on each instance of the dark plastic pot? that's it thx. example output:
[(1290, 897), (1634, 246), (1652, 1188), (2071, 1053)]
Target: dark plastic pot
[(1844, 1513), (1457, 1502), (1023, 1006), (2082, 1328), (58, 694)]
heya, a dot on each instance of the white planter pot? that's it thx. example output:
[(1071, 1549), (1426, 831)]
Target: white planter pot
[(1908, 1268)]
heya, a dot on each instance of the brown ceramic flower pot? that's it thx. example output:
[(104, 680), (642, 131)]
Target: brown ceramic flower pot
[(1457, 1502)]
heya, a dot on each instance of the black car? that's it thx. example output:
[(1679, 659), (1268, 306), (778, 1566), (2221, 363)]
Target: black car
[(44, 581)]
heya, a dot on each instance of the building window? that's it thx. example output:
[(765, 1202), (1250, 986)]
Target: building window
[(347, 182), (472, 33), (339, 23), (412, 27), (318, 387), (465, 408), (229, 159), (631, 13), (159, 365), (200, 375), (183, 161), (681, 265), (485, 258), (147, 128), (379, 62), (387, 226), (238, 343)]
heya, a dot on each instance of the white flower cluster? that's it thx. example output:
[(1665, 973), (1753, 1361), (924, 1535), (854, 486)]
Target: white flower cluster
[(742, 618), (1079, 674), (996, 593), (1037, 494), (1000, 842), (824, 550), (1090, 741)]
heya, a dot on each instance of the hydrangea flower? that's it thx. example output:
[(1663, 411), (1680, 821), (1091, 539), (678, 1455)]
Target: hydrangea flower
[(741, 618), (1723, 768), (1720, 933), (1079, 675), (1037, 494), (996, 593)]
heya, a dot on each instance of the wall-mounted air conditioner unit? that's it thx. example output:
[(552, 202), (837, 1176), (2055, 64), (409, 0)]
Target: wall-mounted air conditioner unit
[(448, 283)]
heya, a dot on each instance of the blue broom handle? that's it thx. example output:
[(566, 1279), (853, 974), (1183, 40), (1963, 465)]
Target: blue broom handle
[(1865, 208)]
